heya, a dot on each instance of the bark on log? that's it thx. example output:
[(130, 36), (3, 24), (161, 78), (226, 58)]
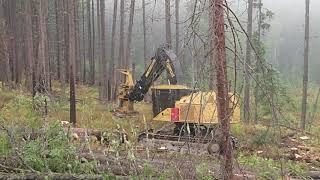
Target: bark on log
[(314, 174), (48, 176)]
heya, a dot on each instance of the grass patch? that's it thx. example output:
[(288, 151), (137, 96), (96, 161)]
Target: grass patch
[(254, 135), (203, 172), (5, 148)]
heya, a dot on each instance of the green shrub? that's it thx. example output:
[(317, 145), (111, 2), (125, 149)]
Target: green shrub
[(54, 152)]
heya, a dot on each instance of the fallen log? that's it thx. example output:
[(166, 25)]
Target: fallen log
[(314, 174), (55, 176)]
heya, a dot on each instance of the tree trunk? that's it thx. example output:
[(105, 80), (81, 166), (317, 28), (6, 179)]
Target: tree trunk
[(305, 67), (56, 4), (83, 70), (10, 15), (29, 44), (177, 26), (211, 50), (111, 67), (222, 90), (103, 48), (71, 52), (90, 50), (129, 38), (93, 66), (121, 48), (144, 33), (76, 28), (66, 41), (168, 22), (247, 65), (99, 49), (60, 43), (5, 51), (258, 66), (259, 19), (43, 68)]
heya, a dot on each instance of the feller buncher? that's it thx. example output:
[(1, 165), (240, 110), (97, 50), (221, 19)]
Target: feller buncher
[(192, 113)]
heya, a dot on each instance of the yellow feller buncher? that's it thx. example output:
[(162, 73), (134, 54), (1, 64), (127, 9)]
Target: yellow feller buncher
[(192, 113)]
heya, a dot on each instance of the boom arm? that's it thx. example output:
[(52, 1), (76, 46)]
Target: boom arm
[(160, 62)]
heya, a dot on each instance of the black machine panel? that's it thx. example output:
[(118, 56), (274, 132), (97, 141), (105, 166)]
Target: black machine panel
[(166, 98)]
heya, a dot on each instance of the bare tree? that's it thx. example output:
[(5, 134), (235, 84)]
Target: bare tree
[(60, 42), (77, 41), (305, 67), (247, 65), (90, 50), (258, 63), (56, 5), (83, 70), (177, 25), (129, 38), (222, 89), (168, 22), (10, 15), (211, 51), (72, 59), (99, 49), (103, 52), (43, 65), (121, 46), (144, 33), (29, 45), (4, 49), (111, 66), (66, 39), (92, 66)]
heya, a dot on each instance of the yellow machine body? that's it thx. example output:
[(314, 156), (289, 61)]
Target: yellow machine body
[(197, 107)]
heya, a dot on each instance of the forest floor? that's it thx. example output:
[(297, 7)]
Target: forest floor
[(31, 140)]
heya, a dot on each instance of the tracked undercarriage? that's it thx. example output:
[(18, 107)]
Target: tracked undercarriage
[(179, 137)]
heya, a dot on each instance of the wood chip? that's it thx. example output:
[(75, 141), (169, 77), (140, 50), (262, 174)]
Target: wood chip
[(304, 138)]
